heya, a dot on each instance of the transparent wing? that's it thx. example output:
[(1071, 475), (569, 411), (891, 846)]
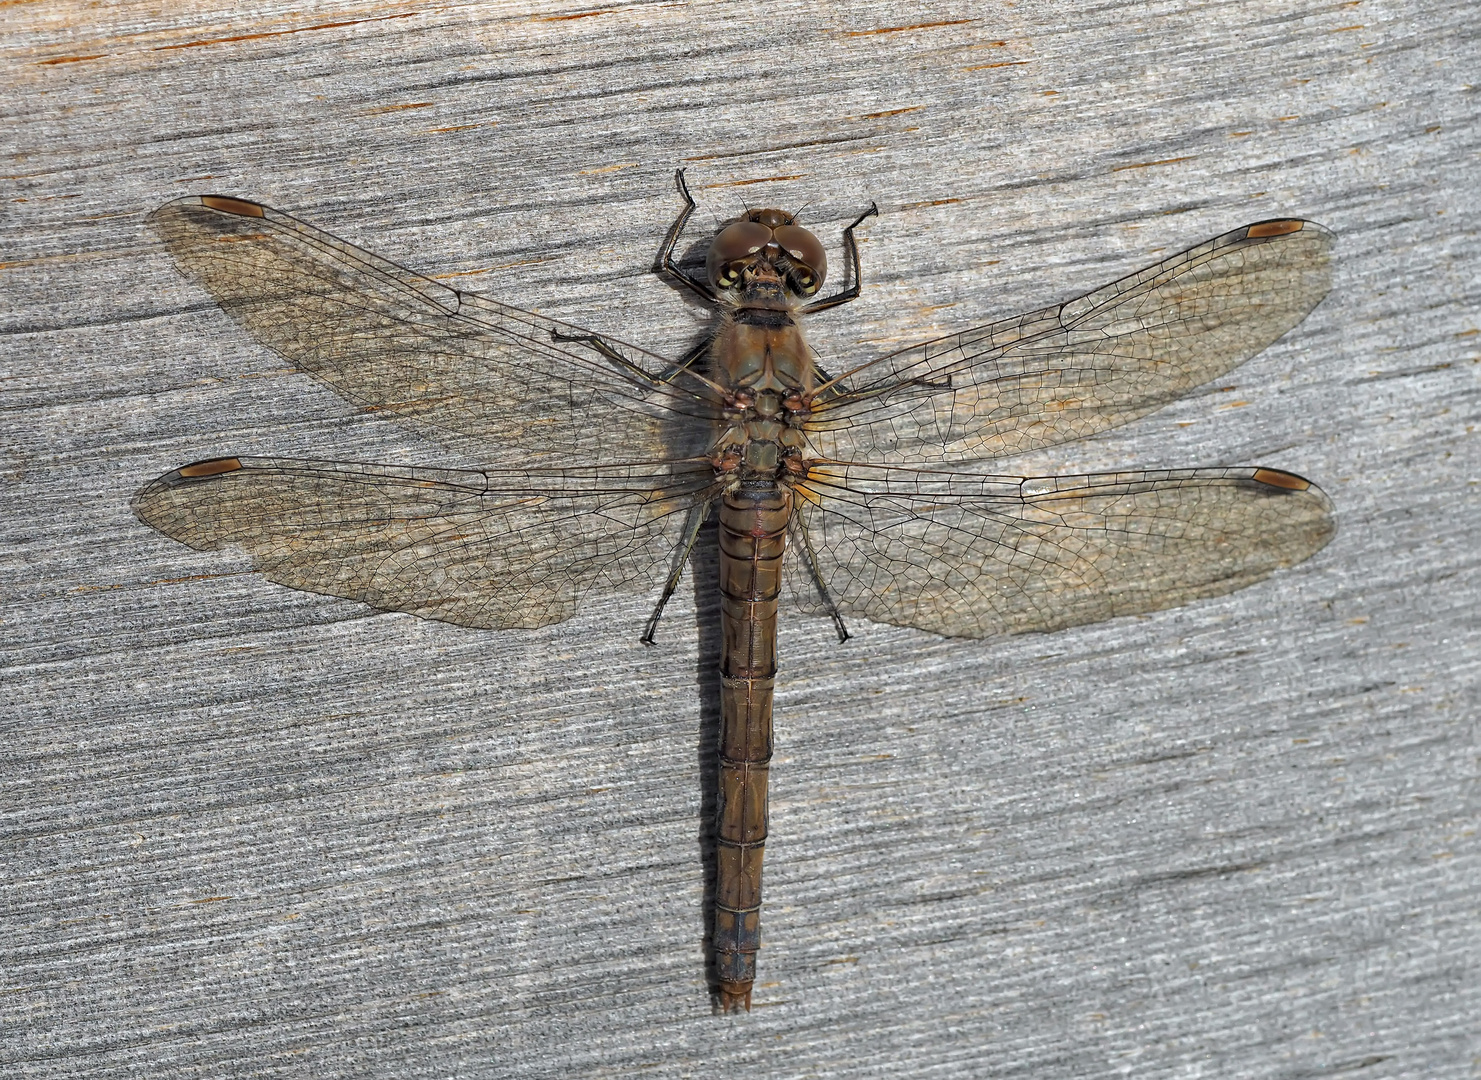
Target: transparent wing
[(478, 548), (975, 556), (1074, 369), (465, 370)]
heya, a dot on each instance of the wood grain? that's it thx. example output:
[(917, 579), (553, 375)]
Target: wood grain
[(253, 831)]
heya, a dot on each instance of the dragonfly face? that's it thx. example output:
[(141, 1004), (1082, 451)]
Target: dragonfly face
[(766, 261), (835, 494)]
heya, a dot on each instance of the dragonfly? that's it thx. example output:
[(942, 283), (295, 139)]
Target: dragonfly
[(860, 494)]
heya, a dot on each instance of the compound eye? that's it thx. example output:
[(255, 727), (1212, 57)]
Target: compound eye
[(805, 251), (735, 244)]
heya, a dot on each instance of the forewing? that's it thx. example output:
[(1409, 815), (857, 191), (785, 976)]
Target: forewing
[(1074, 369), (476, 548), (974, 556), (466, 370)]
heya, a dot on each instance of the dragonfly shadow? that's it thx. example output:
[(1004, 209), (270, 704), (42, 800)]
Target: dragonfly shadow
[(704, 567)]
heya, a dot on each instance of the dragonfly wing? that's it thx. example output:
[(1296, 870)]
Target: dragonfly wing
[(477, 548), (976, 556), (465, 370), (1074, 369)]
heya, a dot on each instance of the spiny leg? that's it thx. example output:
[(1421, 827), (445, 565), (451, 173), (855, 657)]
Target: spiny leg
[(810, 560), (698, 514), (666, 254), (627, 367), (851, 247)]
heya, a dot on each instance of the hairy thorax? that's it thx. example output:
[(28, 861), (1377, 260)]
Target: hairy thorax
[(762, 360)]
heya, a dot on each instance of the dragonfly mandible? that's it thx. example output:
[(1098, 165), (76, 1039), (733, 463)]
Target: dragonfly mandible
[(602, 461)]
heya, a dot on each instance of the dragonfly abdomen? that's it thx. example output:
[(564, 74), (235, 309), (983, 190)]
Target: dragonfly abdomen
[(753, 539)]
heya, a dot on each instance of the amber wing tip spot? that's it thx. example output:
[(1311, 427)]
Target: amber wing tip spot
[(214, 467), (228, 205), (1279, 479), (1274, 228)]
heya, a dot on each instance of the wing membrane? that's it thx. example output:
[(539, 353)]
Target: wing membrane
[(466, 370), (476, 548), (975, 556), (597, 459), (1074, 369)]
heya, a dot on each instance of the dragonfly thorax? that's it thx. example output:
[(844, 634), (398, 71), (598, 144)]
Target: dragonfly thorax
[(759, 447)]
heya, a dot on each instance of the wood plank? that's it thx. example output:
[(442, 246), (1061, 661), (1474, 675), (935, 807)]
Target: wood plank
[(250, 829)]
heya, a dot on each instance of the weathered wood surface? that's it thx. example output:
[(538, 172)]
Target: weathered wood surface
[(249, 831)]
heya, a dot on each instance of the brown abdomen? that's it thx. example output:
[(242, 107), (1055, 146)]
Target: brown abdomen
[(753, 538)]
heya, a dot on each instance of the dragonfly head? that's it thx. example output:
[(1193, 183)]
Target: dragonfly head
[(766, 260)]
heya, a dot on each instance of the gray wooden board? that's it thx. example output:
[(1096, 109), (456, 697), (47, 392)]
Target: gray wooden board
[(250, 831)]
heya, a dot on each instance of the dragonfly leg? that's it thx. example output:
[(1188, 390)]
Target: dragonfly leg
[(810, 560), (851, 246), (665, 261), (923, 384), (698, 514), (673, 371), (626, 366)]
